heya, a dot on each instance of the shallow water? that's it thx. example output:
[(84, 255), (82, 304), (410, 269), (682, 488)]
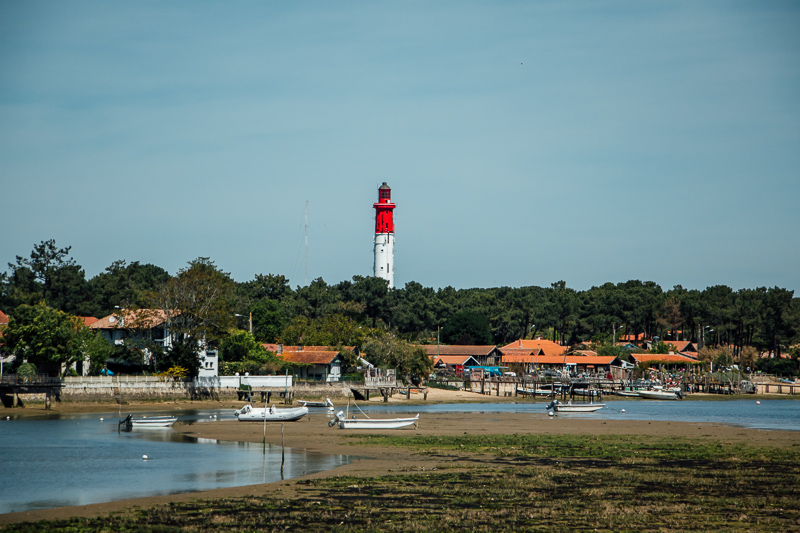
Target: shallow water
[(79, 460), (769, 414)]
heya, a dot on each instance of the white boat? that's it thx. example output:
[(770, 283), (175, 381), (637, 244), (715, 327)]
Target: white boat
[(148, 421), (538, 392), (248, 413), (660, 395), (627, 393), (541, 390), (372, 423), (327, 403), (570, 407)]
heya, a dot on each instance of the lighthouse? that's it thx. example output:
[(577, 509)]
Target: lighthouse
[(384, 235)]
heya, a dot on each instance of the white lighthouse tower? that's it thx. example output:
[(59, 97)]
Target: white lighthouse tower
[(384, 235)]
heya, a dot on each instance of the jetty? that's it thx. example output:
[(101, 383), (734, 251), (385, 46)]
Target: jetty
[(12, 386)]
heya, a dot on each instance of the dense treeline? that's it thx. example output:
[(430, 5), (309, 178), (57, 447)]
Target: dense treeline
[(355, 312)]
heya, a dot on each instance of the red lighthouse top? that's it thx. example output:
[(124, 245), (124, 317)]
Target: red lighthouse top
[(384, 221)]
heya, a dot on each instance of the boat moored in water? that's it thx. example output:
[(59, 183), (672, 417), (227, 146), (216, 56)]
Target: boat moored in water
[(148, 421), (582, 407), (660, 394)]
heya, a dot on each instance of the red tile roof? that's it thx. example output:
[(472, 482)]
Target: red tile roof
[(661, 358), (3, 318), (133, 319), (277, 348), (88, 320), (548, 347), (318, 357), (447, 349), (557, 359), (452, 359)]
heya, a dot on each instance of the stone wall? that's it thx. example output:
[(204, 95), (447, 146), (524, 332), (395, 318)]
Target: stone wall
[(145, 388)]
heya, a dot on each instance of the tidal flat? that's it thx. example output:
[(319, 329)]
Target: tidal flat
[(507, 482)]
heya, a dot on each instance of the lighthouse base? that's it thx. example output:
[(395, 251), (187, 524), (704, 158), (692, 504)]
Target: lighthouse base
[(384, 257)]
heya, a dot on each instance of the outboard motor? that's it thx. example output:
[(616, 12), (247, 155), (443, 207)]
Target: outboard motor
[(336, 418), (680, 394), (551, 405)]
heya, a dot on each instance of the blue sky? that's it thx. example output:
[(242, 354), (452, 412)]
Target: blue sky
[(525, 142)]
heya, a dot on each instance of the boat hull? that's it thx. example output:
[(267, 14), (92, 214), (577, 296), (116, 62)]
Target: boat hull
[(271, 414), (558, 407), (658, 395), (373, 423), (589, 408), (148, 422)]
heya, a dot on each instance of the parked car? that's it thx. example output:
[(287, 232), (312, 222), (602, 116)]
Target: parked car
[(747, 387)]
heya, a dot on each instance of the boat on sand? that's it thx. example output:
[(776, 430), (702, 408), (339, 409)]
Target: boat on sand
[(248, 413), (372, 423), (327, 403)]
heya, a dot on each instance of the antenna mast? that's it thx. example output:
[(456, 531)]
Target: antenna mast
[(305, 280)]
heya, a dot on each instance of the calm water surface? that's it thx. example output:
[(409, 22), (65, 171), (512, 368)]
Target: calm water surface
[(769, 414), (79, 460)]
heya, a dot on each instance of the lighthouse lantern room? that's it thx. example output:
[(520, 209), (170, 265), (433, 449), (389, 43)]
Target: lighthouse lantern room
[(384, 235)]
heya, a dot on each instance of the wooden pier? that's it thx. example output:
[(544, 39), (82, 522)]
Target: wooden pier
[(12, 386), (364, 393)]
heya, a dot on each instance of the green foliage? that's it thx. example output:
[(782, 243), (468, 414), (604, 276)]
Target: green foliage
[(202, 301), (556, 483), (387, 351), (662, 347), (239, 345), (123, 285), (48, 275), (779, 367), (183, 353), (45, 337), (467, 327), (240, 352), (199, 301), (98, 350), (611, 350), (253, 367), (27, 370), (269, 319), (331, 330)]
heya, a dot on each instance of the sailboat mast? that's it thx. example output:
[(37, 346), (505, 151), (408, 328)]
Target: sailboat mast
[(305, 279)]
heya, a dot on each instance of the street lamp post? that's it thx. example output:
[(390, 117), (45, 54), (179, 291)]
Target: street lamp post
[(251, 321)]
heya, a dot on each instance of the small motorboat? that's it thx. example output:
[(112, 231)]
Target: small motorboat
[(372, 423), (570, 407), (148, 421), (248, 413), (660, 395), (327, 403)]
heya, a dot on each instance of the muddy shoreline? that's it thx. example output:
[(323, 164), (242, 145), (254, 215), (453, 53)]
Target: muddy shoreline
[(312, 435)]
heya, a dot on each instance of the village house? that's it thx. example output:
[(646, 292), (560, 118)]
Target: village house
[(140, 327), (663, 360), (456, 358), (314, 363)]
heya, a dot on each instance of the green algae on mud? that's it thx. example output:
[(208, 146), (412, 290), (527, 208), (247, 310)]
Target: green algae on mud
[(513, 482)]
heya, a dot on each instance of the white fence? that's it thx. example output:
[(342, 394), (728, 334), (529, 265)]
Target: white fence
[(234, 382)]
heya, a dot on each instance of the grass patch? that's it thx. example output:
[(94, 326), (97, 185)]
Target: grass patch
[(514, 483)]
